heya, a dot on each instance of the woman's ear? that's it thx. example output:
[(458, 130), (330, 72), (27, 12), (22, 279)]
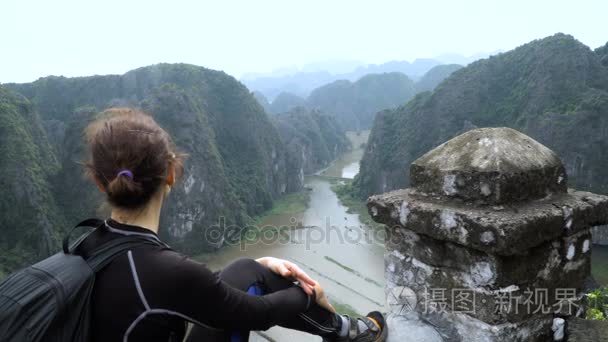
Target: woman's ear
[(99, 185), (171, 175)]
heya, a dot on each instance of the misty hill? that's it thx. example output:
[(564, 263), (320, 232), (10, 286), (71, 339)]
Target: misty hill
[(454, 58), (237, 161), (262, 100), (285, 102), (313, 140), (554, 89), (302, 83), (413, 70), (433, 77), (354, 104), (603, 54)]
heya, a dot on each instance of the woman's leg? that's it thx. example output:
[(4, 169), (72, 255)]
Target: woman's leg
[(247, 274)]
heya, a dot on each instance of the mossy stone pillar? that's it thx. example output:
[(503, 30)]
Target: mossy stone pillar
[(488, 244)]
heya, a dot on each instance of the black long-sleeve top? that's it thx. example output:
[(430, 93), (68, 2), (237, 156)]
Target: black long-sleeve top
[(148, 293)]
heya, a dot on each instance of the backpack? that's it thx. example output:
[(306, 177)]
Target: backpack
[(50, 300)]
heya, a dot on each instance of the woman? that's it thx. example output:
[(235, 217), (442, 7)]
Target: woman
[(150, 292)]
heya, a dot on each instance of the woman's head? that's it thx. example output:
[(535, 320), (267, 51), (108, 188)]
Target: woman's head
[(131, 157)]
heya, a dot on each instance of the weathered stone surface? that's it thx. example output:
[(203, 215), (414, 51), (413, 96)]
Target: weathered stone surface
[(403, 329), (487, 240), (502, 230), (425, 266), (407, 320), (490, 165)]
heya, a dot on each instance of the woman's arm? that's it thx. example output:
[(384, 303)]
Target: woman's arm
[(289, 270), (203, 296)]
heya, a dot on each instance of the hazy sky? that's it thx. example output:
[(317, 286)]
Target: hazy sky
[(82, 37)]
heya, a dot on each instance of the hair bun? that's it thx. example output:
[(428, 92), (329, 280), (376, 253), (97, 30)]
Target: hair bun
[(121, 189), (130, 155)]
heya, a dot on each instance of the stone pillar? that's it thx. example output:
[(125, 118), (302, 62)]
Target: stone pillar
[(488, 244)]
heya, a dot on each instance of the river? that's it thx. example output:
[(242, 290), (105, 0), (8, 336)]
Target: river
[(345, 256), (333, 249)]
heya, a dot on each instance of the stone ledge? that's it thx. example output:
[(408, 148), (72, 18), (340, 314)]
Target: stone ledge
[(502, 230)]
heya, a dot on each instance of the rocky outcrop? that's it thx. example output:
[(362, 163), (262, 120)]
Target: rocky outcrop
[(488, 244)]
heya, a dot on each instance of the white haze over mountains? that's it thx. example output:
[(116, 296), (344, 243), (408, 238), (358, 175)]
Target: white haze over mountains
[(337, 67), (80, 38), (301, 81)]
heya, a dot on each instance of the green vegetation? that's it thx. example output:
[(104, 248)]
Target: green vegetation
[(348, 196), (312, 139), (285, 102), (354, 104), (236, 158), (30, 219), (238, 163), (599, 266), (597, 304), (262, 100), (290, 204), (554, 89), (435, 76)]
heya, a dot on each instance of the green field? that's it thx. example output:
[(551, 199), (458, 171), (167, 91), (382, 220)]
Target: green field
[(291, 204)]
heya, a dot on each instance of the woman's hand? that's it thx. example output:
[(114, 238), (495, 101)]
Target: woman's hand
[(288, 269), (322, 300)]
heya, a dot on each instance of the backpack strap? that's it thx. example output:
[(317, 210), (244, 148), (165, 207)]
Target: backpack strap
[(105, 253), (92, 222)]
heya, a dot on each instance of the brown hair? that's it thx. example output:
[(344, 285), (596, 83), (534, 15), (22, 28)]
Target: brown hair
[(125, 139)]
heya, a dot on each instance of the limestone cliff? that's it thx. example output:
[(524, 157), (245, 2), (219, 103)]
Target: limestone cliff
[(354, 104), (28, 211), (237, 162), (312, 140), (285, 102), (554, 89), (435, 76)]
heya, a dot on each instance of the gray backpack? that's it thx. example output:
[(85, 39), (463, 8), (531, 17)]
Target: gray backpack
[(50, 301)]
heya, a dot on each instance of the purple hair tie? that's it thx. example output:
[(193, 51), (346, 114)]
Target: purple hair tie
[(125, 172)]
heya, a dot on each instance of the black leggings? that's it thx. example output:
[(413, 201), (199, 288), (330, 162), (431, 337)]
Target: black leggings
[(245, 273)]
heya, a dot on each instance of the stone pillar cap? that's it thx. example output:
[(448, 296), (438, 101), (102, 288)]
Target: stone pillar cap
[(490, 166)]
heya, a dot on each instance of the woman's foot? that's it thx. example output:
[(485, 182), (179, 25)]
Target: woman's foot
[(371, 328)]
